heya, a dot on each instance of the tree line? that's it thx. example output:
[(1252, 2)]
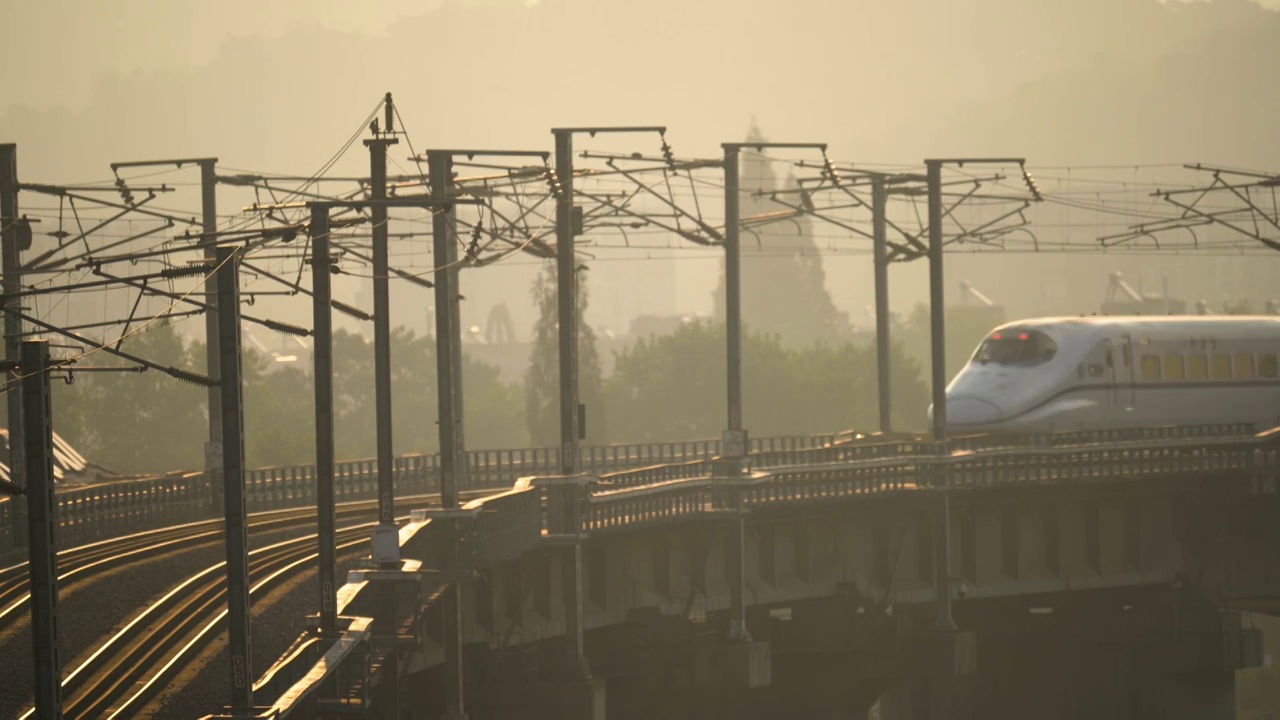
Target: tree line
[(665, 387)]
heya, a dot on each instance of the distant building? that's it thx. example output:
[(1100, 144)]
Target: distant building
[(784, 289)]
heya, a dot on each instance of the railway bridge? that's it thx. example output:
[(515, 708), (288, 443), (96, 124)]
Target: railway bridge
[(1068, 575), (1071, 575)]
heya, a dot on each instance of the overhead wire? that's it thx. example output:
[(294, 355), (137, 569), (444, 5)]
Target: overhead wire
[(60, 364)]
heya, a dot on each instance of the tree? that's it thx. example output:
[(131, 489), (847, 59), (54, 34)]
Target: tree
[(673, 387), (542, 379), (279, 413), (965, 328), (143, 422), (149, 422), (492, 410)]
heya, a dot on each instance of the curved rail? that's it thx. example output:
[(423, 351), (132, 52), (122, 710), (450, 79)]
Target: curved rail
[(138, 660), (88, 561)]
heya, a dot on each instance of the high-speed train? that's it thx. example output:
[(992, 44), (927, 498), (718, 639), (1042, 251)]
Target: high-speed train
[(1078, 373)]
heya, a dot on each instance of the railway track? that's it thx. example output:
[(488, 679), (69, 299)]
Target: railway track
[(84, 562), (137, 661)]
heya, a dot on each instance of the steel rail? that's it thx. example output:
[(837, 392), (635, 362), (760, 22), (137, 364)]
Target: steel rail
[(96, 688), (87, 561)]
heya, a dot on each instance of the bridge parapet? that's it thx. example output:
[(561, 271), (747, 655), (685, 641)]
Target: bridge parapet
[(93, 512), (507, 524), (649, 475), (872, 447)]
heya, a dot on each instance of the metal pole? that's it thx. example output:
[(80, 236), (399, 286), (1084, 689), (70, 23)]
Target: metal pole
[(386, 541), (38, 451), (943, 621), (239, 641), (449, 402), (937, 300), (12, 266), (735, 446), (735, 441), (322, 359), (448, 329), (209, 225), (880, 248), (384, 552), (567, 294)]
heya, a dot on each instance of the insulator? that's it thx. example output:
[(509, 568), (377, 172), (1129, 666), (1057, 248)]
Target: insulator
[(185, 271), (348, 310), (124, 191), (668, 155), (286, 328), (191, 376), (553, 182), (830, 171)]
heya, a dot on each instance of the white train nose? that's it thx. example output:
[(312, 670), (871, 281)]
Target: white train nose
[(969, 411)]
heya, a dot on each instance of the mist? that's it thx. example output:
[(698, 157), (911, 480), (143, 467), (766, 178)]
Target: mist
[(1066, 84)]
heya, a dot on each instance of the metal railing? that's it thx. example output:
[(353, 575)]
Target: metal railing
[(94, 512), (102, 510), (647, 496)]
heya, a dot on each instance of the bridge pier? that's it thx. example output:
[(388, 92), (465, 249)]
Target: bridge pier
[(680, 677), (563, 700), (554, 681), (1101, 655)]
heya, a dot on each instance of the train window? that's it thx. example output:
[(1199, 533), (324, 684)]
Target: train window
[(1220, 365), (1173, 367), (1150, 367), (1197, 367), (1016, 347), (1244, 365), (1267, 365)]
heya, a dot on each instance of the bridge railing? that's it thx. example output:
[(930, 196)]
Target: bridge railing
[(660, 502), (1090, 437), (91, 512), (94, 512), (874, 447), (655, 495), (642, 476)]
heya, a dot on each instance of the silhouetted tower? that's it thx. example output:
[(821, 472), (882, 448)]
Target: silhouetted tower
[(786, 287)]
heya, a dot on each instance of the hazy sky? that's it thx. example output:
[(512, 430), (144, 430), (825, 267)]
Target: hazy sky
[(277, 85), (66, 46)]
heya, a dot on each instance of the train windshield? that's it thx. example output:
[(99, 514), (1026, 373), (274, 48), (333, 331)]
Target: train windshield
[(1016, 347)]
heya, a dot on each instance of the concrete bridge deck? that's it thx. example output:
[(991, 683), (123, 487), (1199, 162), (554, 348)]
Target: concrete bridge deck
[(1117, 563)]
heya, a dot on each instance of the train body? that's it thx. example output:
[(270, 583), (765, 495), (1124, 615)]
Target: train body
[(1076, 373)]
